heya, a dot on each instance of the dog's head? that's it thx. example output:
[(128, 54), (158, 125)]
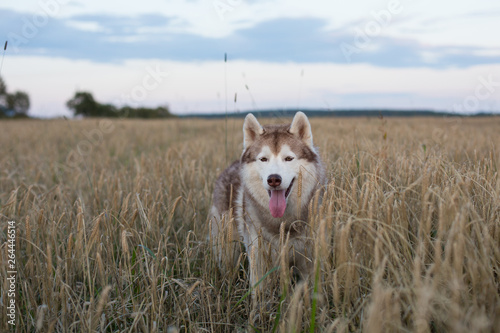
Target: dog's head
[(273, 156)]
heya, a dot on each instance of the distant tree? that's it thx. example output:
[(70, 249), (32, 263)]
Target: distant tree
[(163, 111), (3, 87), (107, 110), (15, 104), (142, 112), (3, 97), (83, 103), (19, 102)]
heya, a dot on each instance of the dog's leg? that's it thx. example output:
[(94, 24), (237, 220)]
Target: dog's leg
[(252, 242), (225, 240)]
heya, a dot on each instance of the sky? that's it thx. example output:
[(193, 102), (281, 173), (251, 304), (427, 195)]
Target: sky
[(397, 54)]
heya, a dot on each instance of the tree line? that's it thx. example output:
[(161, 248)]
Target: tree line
[(14, 104), (17, 104), (84, 104)]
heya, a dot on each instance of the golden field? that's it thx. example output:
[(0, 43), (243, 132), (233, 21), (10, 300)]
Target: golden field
[(111, 228)]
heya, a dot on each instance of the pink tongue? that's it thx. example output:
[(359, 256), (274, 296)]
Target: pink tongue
[(277, 203)]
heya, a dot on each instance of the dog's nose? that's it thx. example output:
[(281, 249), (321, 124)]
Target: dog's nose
[(274, 180)]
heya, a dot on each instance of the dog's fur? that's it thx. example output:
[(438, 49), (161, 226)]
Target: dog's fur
[(285, 152)]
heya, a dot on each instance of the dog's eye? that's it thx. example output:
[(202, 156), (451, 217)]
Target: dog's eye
[(263, 159), (288, 158)]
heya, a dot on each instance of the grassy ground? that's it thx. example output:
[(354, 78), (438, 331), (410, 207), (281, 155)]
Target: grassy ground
[(112, 228)]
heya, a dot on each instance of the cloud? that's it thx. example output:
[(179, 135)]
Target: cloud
[(108, 38), (122, 25)]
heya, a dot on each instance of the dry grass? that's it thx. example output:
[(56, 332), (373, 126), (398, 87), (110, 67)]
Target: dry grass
[(407, 237)]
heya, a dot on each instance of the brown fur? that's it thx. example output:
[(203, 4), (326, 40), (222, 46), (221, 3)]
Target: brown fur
[(274, 136), (227, 187)]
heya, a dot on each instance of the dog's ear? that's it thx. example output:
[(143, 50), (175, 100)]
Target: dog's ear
[(251, 130), (301, 128)]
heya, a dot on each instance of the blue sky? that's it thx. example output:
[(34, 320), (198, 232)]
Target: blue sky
[(330, 54)]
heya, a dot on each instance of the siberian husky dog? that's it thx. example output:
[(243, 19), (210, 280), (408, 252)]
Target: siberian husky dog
[(267, 193)]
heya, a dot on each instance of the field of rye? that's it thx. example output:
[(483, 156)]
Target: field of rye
[(406, 238)]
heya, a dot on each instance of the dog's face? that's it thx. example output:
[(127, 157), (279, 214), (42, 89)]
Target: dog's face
[(273, 158)]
